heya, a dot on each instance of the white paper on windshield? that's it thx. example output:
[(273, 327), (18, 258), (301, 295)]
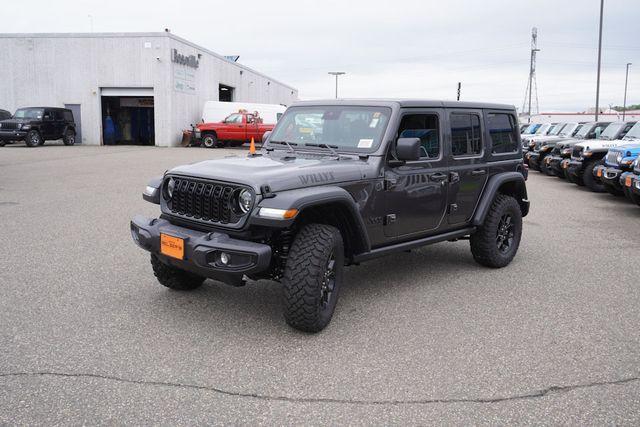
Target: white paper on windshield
[(365, 143), (374, 122)]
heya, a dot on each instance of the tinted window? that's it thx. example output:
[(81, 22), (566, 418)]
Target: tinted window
[(425, 127), (57, 115), (68, 116), (466, 137), (502, 131)]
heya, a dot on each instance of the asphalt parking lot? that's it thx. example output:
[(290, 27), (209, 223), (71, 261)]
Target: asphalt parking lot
[(88, 336)]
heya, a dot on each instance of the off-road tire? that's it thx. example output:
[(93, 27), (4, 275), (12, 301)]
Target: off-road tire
[(2, 143), (33, 139), (69, 137), (307, 306), (210, 140), (485, 241), (613, 191), (589, 180), (175, 278), (631, 196)]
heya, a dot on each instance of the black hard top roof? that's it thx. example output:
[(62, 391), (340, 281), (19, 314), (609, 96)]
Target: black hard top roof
[(409, 103)]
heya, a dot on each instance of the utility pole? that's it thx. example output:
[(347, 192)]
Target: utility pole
[(337, 73), (459, 87), (532, 76), (626, 80), (599, 60)]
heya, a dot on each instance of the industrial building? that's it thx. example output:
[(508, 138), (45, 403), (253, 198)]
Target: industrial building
[(126, 88)]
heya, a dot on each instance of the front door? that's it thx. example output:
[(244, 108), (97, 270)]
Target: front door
[(416, 192), (467, 167)]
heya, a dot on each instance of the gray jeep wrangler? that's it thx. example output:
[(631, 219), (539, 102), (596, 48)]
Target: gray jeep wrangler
[(337, 183)]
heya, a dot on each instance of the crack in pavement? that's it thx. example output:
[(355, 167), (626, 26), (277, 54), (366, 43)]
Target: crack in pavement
[(530, 395)]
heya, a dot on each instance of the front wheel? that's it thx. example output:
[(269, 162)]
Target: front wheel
[(33, 139), (312, 277), (496, 241), (590, 180), (210, 140), (174, 278), (69, 138)]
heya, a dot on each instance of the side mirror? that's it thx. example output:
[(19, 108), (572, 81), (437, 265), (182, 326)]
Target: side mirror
[(408, 149), (265, 136)]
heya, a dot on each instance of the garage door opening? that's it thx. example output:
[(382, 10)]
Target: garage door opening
[(225, 93), (128, 120)]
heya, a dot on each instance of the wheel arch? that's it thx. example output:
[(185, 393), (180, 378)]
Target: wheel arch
[(321, 205), (509, 183)]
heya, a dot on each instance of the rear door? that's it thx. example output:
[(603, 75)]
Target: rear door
[(48, 127), (416, 192), (467, 166), (60, 124)]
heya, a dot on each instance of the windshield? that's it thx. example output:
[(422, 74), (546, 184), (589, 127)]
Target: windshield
[(612, 130), (568, 129), (29, 113), (351, 128), (585, 130), (556, 129), (543, 129), (634, 132)]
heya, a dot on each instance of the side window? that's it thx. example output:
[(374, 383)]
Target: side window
[(425, 127), (466, 137), (626, 129), (48, 116), (234, 118), (68, 116), (57, 114), (502, 131)]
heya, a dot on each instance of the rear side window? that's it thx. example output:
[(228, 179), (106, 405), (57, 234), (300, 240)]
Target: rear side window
[(466, 137), (503, 135), (68, 116)]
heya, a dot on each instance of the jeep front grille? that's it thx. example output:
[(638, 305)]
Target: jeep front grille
[(11, 126), (204, 200), (612, 158), (577, 152)]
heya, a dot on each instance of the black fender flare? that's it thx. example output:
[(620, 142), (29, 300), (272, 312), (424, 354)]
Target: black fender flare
[(304, 198), (67, 127), (511, 182)]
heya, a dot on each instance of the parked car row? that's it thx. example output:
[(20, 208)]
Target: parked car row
[(602, 156), (35, 125)]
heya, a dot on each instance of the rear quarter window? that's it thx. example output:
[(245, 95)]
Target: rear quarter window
[(502, 130), (68, 116)]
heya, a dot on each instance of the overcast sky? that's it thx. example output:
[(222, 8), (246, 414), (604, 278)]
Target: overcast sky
[(401, 48)]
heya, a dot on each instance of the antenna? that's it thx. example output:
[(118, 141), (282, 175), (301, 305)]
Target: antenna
[(532, 82)]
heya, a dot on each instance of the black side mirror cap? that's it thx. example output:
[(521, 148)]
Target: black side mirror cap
[(408, 149), (265, 136), (152, 192)]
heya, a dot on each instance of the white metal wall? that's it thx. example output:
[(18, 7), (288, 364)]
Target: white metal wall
[(58, 69)]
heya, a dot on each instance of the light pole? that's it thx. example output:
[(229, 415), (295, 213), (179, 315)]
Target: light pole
[(337, 73), (626, 80), (599, 59)]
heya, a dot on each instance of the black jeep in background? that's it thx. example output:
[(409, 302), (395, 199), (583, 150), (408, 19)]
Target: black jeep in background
[(35, 125), (369, 178), (4, 114)]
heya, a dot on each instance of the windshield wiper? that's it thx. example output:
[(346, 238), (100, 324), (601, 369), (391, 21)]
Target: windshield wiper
[(288, 144), (322, 145)]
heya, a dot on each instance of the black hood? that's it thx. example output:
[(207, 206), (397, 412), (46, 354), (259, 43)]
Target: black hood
[(282, 171)]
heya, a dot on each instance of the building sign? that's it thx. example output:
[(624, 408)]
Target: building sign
[(190, 61), (136, 102), (184, 80)]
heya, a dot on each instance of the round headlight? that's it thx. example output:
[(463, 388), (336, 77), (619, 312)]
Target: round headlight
[(171, 185), (619, 158), (245, 200)]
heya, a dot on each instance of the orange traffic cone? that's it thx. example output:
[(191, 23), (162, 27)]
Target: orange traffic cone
[(252, 147)]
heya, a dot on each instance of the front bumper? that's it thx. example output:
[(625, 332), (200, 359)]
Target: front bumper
[(12, 135), (554, 163), (611, 176), (201, 250), (631, 182)]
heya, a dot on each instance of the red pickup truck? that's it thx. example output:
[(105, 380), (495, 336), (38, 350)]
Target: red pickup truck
[(236, 129)]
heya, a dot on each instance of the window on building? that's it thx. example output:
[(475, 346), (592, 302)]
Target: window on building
[(466, 136), (502, 130), (425, 127), (225, 93)]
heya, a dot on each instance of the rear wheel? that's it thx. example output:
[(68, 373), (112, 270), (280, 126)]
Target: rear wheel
[(632, 196), (2, 143), (496, 241), (33, 139), (174, 278), (590, 180), (69, 137), (312, 277), (613, 191)]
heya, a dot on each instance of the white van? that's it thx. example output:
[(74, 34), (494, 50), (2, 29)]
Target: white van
[(216, 111)]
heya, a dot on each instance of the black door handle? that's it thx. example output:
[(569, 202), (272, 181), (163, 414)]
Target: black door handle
[(438, 176), (478, 172)]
